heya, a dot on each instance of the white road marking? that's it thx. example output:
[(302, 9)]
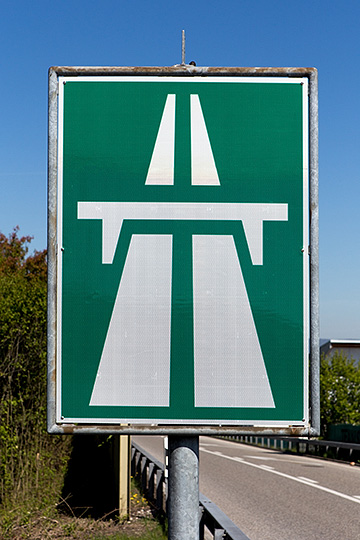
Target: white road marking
[(308, 480), (288, 460), (263, 458), (210, 444), (355, 499)]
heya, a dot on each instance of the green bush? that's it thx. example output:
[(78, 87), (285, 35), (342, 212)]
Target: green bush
[(339, 390), (30, 460)]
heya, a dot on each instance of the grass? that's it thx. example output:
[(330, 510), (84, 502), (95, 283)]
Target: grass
[(39, 522)]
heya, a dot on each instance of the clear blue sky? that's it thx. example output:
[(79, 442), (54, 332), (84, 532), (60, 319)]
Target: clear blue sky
[(319, 33)]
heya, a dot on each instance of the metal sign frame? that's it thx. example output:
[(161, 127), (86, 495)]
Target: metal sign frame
[(56, 424)]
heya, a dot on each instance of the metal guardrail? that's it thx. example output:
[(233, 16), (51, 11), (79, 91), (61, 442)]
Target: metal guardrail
[(151, 474), (333, 449)]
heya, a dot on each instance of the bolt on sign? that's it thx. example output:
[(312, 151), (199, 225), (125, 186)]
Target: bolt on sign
[(182, 250)]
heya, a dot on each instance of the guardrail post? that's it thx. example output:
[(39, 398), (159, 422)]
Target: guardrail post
[(202, 523), (160, 490), (151, 481), (183, 502), (144, 473)]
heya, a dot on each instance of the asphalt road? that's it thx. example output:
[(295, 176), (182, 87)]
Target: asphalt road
[(275, 496)]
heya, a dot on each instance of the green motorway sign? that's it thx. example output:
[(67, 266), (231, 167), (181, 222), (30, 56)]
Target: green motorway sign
[(182, 241)]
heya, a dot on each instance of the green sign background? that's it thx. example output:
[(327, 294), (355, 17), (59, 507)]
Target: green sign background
[(256, 135)]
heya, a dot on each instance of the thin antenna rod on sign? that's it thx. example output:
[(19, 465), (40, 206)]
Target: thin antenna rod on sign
[(183, 47)]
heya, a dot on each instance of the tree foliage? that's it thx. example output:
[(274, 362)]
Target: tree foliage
[(28, 456), (339, 390)]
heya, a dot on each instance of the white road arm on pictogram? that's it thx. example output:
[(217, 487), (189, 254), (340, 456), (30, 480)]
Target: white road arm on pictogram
[(252, 216)]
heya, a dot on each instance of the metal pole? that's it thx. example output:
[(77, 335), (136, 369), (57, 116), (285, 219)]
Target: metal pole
[(183, 47), (183, 500)]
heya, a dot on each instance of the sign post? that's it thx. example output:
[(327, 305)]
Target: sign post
[(183, 487), (180, 298)]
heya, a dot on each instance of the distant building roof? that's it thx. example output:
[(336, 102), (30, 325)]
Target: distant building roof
[(350, 347)]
